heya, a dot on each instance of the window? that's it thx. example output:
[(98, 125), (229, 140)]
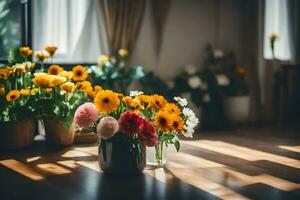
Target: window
[(276, 21), (10, 26), (72, 25)]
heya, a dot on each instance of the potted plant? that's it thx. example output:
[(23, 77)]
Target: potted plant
[(237, 99), (16, 119), (59, 93)]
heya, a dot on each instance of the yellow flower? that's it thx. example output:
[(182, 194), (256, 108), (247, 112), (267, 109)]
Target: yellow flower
[(56, 80), (41, 79), (103, 59), (4, 72), (157, 102), (177, 123), (84, 86), (2, 90), (21, 68), (144, 98), (34, 91), (67, 74), (136, 105), (25, 51), (13, 95), (25, 92), (240, 71), (172, 108), (91, 93), (97, 88), (68, 87), (106, 101), (163, 121), (55, 69), (127, 100), (51, 49), (79, 73), (273, 37), (123, 52), (41, 56)]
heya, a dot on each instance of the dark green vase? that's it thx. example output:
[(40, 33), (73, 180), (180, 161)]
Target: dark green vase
[(121, 156)]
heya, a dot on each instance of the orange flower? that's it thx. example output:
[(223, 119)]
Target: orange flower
[(51, 50), (2, 90), (163, 121), (55, 69), (157, 102), (67, 74), (79, 73), (13, 95), (68, 87), (25, 92), (127, 100), (240, 71), (41, 56), (172, 108), (97, 88), (25, 51), (106, 101), (177, 123)]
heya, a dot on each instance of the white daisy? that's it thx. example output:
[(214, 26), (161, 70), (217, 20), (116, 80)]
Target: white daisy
[(135, 93), (181, 101)]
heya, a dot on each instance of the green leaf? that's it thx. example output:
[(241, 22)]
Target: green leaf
[(15, 56)]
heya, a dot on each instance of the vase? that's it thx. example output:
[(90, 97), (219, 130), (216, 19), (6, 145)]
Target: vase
[(15, 135), (237, 109), (121, 156), (157, 155), (57, 135), (85, 138)]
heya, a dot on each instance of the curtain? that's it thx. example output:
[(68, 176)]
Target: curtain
[(72, 25), (123, 20), (294, 25), (159, 12)]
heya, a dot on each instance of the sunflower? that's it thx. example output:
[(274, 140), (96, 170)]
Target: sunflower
[(84, 86), (4, 72), (25, 92), (68, 87), (2, 90), (25, 51), (157, 101), (55, 69), (177, 123), (106, 101), (67, 74), (172, 108), (13, 95), (79, 73), (51, 49), (33, 91), (41, 79), (163, 121), (136, 104), (127, 100), (56, 80), (97, 88), (41, 56)]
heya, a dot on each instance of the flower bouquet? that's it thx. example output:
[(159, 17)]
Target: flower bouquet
[(126, 124), (15, 100)]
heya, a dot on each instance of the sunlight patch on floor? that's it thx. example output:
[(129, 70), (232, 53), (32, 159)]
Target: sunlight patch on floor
[(290, 148)]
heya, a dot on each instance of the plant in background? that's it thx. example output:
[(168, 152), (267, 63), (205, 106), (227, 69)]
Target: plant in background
[(237, 85), (114, 73)]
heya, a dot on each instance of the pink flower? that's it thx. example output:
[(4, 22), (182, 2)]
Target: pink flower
[(130, 123), (148, 134), (107, 127), (86, 115)]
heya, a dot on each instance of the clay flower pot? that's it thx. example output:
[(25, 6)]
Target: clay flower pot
[(57, 135), (86, 138), (15, 135)]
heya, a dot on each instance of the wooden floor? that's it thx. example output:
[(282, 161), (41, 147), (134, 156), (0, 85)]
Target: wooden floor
[(240, 164)]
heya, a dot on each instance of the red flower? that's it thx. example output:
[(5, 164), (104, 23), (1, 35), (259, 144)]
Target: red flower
[(130, 123), (148, 134)]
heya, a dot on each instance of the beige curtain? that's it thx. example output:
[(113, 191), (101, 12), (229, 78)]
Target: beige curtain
[(123, 20), (160, 10)]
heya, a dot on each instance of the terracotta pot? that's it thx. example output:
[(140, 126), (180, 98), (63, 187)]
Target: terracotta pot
[(57, 135), (15, 135), (86, 138), (237, 109)]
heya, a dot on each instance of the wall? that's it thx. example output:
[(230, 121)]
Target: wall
[(190, 26)]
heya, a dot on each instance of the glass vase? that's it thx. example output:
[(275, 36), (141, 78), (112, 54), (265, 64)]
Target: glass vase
[(121, 156), (157, 155)]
